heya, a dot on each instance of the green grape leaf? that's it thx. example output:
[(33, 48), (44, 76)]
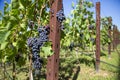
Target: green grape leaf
[(3, 45), (4, 35), (47, 50), (9, 26), (87, 36), (14, 44), (22, 4), (23, 25), (4, 59), (12, 18)]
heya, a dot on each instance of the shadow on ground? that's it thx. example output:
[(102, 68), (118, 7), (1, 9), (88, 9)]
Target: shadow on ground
[(70, 68)]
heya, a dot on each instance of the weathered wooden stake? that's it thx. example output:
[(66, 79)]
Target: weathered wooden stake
[(117, 37), (53, 61), (97, 36), (14, 70), (113, 37), (109, 33)]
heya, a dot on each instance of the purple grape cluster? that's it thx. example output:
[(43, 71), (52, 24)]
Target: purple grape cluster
[(36, 43), (60, 15), (43, 33)]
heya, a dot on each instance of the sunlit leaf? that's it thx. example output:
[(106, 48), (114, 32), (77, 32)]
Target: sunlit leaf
[(4, 35), (47, 50), (3, 45)]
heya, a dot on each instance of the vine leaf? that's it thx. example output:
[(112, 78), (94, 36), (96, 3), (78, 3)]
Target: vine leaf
[(47, 50), (22, 4), (13, 18), (4, 35), (4, 59), (3, 45), (9, 26)]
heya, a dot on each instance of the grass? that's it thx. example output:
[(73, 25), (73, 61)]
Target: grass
[(84, 67), (78, 66)]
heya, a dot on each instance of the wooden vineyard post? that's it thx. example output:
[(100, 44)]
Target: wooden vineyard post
[(116, 36), (53, 61), (113, 37), (109, 33), (97, 36), (14, 70)]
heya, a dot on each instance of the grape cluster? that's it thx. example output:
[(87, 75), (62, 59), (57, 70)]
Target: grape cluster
[(36, 43), (43, 33), (60, 15)]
